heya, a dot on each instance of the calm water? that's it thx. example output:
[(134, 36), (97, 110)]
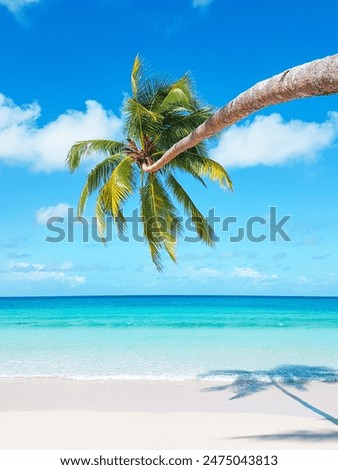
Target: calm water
[(164, 337)]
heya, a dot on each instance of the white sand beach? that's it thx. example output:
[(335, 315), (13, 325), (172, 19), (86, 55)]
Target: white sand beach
[(51, 413)]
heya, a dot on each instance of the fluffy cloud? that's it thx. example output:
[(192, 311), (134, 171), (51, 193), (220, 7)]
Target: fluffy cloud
[(45, 148), (203, 274), (37, 272), (15, 5), (25, 267), (246, 272), (206, 273), (269, 140), (251, 274), (45, 213), (200, 3)]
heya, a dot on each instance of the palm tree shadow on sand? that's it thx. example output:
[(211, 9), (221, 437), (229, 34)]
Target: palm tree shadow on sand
[(248, 382)]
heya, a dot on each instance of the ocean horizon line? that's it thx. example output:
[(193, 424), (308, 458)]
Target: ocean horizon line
[(170, 296)]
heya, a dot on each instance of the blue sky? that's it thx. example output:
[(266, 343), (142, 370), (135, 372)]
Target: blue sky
[(65, 69)]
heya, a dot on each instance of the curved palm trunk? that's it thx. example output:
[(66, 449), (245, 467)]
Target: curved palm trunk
[(316, 78)]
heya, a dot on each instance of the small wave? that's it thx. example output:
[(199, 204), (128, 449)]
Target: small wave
[(95, 378), (287, 375)]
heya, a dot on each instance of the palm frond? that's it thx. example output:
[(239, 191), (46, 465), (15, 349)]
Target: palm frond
[(185, 164), (101, 212), (160, 222), (180, 97), (140, 121), (152, 91), (203, 229), (185, 84), (175, 99), (119, 187), (154, 244), (205, 166), (193, 161), (96, 179), (85, 148), (178, 124), (136, 74)]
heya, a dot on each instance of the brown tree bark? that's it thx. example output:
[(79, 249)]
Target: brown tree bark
[(316, 78)]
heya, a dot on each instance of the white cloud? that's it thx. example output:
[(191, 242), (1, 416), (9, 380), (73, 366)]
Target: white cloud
[(36, 272), (244, 272), (12, 115), (45, 148), (269, 140), (210, 273), (203, 273), (200, 3), (25, 267), (44, 213), (67, 265), (15, 5)]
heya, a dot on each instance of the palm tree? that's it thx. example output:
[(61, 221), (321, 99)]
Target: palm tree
[(158, 114)]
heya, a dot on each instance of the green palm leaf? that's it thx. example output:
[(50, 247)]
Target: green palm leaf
[(101, 211), (194, 162), (185, 164), (180, 96), (97, 178), (136, 75), (85, 148), (160, 222), (120, 186), (205, 166), (178, 124), (152, 92), (140, 120), (203, 229), (100, 214)]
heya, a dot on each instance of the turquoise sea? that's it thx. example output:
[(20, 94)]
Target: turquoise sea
[(164, 337)]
